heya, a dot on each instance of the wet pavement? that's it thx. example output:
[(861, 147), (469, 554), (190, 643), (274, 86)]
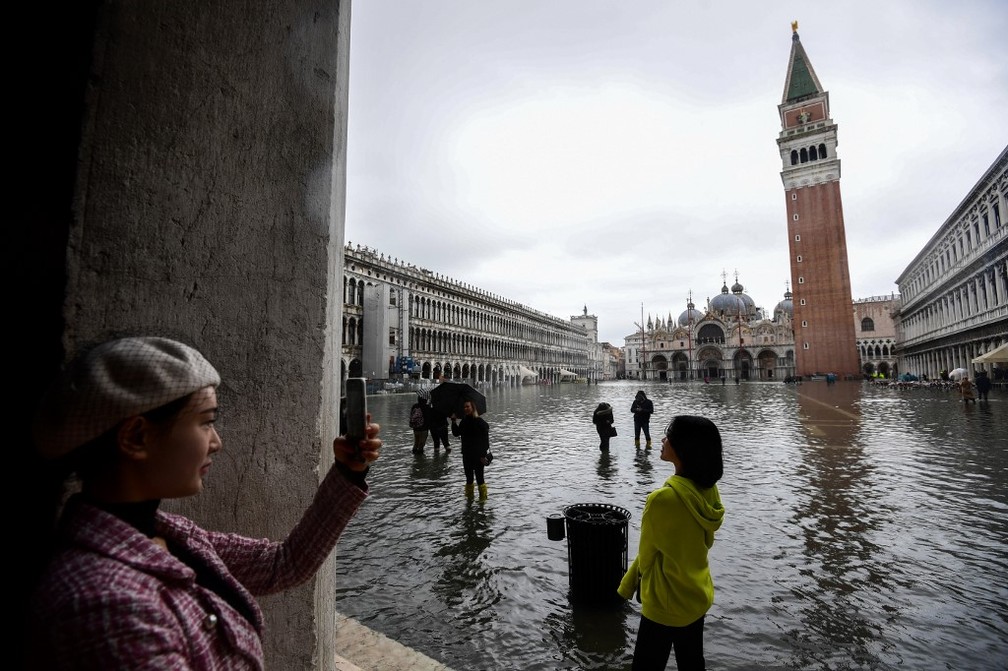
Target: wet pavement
[(361, 649)]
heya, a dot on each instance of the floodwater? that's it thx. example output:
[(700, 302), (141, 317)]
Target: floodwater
[(865, 528)]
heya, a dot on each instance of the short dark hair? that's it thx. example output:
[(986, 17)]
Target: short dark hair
[(697, 443)]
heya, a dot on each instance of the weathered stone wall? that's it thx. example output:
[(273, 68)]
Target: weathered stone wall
[(208, 206)]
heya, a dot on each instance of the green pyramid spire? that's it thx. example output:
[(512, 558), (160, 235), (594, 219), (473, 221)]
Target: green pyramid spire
[(801, 79)]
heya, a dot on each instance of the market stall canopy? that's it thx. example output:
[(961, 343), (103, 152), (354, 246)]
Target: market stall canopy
[(527, 372), (566, 373), (997, 355)]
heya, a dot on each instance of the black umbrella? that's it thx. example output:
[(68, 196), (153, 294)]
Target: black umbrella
[(448, 397)]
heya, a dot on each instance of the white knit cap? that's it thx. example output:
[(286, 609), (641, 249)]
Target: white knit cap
[(116, 380)]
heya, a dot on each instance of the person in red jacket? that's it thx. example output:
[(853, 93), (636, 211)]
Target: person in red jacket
[(131, 586)]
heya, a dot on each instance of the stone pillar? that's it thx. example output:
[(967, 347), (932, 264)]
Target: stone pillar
[(208, 207)]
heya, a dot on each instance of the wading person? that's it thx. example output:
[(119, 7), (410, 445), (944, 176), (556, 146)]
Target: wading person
[(642, 408), (602, 418), (966, 390), (128, 585), (983, 385), (419, 414), (670, 574), (474, 434)]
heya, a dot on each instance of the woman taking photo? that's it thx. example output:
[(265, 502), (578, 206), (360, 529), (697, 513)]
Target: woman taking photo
[(128, 585)]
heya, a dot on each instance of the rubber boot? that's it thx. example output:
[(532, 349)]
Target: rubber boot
[(483, 492), (470, 489), (648, 446), (636, 443)]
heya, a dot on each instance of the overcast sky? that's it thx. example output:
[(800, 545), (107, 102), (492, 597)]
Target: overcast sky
[(620, 153)]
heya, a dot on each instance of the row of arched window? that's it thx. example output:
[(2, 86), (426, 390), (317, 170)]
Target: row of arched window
[(977, 296), (963, 241), (424, 341), (806, 154), (869, 351), (556, 332), (553, 332)]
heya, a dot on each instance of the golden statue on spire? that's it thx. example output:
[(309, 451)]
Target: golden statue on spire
[(794, 26)]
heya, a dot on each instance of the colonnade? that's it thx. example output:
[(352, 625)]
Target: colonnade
[(436, 325), (955, 293)]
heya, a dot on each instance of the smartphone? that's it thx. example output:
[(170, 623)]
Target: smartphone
[(355, 410)]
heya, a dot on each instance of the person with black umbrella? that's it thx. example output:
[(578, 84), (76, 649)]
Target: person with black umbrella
[(474, 433)]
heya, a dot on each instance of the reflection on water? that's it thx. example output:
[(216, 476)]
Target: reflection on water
[(866, 528)]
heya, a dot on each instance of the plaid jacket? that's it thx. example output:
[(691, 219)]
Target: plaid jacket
[(113, 599)]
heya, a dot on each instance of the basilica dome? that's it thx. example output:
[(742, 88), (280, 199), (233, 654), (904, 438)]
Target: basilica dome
[(785, 306), (690, 314), (750, 304), (731, 304)]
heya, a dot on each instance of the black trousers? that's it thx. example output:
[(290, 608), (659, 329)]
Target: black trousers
[(655, 642), (440, 435), (604, 436), (642, 424), (473, 467)]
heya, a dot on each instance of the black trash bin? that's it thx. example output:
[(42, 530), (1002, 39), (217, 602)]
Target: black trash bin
[(596, 550)]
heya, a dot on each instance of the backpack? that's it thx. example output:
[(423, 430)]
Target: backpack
[(416, 420)]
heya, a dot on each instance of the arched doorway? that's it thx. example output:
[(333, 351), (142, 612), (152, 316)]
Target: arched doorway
[(659, 364), (680, 364), (767, 363), (743, 365), (710, 363), (356, 368)]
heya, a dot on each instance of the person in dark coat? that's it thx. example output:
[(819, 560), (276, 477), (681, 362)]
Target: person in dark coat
[(642, 408), (419, 412), (474, 433), (602, 418), (437, 424), (983, 385)]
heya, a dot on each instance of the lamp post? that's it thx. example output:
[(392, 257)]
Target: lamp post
[(643, 353), (689, 336), (643, 363), (741, 341)]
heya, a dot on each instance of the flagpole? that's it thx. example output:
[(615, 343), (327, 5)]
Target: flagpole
[(643, 345)]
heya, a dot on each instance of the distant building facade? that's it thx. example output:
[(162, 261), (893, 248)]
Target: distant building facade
[(955, 291), (402, 320), (601, 362), (875, 331), (730, 338), (817, 241), (613, 361)]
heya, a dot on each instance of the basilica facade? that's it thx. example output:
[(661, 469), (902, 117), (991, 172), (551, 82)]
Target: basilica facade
[(730, 338)]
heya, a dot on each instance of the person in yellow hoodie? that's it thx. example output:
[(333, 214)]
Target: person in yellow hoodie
[(670, 575)]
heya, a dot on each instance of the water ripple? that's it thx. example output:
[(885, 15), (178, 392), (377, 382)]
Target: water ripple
[(865, 529)]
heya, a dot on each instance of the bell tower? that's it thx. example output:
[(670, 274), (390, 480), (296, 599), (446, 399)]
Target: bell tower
[(817, 241)]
